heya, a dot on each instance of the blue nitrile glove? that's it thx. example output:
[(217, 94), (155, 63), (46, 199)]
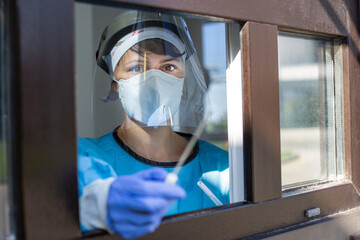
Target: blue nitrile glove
[(137, 203)]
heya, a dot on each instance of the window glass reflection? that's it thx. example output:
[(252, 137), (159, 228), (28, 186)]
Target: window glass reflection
[(214, 60), (310, 109)]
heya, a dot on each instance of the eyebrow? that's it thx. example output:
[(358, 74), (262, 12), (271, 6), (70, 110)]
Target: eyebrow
[(135, 61), (171, 59)]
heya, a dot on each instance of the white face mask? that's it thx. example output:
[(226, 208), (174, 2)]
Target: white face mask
[(152, 97)]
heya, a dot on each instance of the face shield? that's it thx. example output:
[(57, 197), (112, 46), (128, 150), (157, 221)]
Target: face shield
[(153, 76)]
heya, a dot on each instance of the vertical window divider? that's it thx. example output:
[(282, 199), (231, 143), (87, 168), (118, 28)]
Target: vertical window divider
[(46, 120), (262, 155), (235, 113)]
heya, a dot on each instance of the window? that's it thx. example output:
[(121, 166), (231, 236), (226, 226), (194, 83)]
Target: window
[(103, 105), (310, 109)]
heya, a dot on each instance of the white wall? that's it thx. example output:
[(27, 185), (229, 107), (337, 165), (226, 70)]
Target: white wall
[(94, 117)]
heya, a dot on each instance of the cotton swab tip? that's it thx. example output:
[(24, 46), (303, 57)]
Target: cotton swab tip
[(171, 178)]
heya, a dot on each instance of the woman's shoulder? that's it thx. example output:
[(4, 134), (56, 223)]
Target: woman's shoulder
[(95, 141), (96, 150), (93, 162), (86, 143)]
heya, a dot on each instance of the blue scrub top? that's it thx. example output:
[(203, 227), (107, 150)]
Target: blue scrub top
[(108, 156)]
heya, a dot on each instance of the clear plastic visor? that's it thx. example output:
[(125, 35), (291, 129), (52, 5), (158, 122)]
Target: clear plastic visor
[(155, 89)]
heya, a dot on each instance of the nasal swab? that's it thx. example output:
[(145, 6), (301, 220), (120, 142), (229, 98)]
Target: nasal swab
[(173, 176), (209, 193)]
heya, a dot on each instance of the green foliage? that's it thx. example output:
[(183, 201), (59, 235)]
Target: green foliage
[(3, 166), (219, 126), (287, 156)]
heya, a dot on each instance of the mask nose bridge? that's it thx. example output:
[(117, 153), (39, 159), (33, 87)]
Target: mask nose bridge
[(144, 79), (150, 65)]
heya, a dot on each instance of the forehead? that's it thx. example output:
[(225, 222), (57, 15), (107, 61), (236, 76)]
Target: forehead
[(150, 56)]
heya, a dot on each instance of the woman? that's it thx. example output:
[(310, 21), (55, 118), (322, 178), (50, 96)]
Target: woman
[(154, 70)]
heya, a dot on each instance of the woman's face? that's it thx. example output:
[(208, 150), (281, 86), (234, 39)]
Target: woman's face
[(132, 63)]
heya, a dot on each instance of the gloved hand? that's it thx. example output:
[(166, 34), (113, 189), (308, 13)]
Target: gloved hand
[(137, 203)]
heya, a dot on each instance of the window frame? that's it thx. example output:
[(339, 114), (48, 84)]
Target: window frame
[(44, 145)]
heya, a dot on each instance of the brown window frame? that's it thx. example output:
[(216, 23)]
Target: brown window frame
[(45, 134)]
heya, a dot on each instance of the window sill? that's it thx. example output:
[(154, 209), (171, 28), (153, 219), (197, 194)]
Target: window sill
[(254, 219)]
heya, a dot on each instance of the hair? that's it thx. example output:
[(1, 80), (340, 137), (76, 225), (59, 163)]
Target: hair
[(157, 46)]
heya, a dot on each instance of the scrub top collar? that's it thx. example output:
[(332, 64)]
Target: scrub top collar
[(151, 162)]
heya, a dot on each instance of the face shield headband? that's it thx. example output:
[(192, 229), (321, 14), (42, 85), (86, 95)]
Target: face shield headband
[(137, 36)]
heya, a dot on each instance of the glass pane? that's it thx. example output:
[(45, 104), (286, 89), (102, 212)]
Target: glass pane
[(214, 60), (118, 117), (6, 231), (310, 109)]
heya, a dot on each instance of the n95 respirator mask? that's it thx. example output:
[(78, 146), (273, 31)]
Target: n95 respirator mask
[(152, 97)]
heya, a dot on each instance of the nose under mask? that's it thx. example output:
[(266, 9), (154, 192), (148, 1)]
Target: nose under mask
[(152, 97)]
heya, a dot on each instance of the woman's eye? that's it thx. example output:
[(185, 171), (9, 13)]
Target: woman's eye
[(137, 69), (169, 68)]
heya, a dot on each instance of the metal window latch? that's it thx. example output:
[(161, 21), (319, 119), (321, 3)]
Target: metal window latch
[(312, 212)]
